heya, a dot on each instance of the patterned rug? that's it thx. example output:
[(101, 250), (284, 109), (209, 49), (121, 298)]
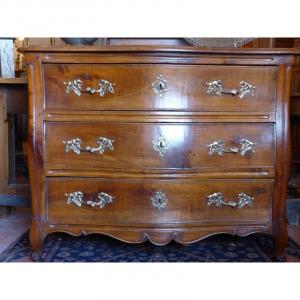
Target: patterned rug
[(61, 247)]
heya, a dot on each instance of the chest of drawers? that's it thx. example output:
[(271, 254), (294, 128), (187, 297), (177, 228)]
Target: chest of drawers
[(158, 143)]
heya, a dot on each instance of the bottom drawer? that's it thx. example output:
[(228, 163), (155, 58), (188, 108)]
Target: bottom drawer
[(157, 202)]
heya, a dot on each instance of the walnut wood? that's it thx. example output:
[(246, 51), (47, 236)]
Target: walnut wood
[(187, 202), (158, 116), (187, 89), (282, 163), (133, 149), (163, 58), (156, 49), (161, 54), (158, 236), (133, 174)]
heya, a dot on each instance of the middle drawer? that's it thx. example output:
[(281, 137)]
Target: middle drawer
[(145, 146)]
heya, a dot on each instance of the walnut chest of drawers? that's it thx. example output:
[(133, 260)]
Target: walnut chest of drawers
[(158, 143)]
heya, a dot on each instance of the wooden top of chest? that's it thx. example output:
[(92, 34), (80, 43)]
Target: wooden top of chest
[(161, 54), (164, 49)]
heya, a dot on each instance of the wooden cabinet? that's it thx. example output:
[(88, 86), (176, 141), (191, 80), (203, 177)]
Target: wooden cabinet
[(294, 182), (158, 143), (14, 188)]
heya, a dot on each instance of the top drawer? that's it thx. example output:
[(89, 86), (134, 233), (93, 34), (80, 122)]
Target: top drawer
[(159, 87)]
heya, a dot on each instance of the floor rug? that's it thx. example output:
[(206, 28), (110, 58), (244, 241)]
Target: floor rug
[(60, 247)]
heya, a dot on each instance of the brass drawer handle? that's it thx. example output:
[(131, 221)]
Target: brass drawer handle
[(217, 147), (217, 199), (76, 87), (216, 87), (160, 86), (159, 200), (75, 145), (78, 199)]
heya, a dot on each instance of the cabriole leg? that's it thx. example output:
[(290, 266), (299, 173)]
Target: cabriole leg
[(36, 237), (280, 241)]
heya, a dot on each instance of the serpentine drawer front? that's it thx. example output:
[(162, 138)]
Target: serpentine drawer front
[(135, 146), (158, 143), (159, 87), (153, 202)]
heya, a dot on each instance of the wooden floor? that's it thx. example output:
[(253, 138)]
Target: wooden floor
[(12, 227)]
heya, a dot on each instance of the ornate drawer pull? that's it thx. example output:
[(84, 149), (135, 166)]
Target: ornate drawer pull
[(217, 199), (78, 199), (76, 87), (217, 147), (159, 200), (216, 87), (75, 145), (160, 86)]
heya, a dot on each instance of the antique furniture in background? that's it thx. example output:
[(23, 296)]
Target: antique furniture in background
[(295, 121), (158, 143), (294, 182), (14, 188)]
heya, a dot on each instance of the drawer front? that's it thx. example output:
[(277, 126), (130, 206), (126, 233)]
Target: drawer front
[(110, 202), (145, 146), (140, 87)]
